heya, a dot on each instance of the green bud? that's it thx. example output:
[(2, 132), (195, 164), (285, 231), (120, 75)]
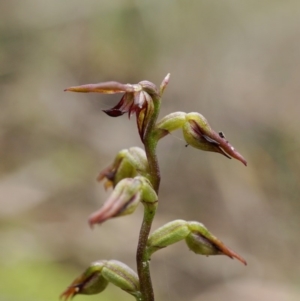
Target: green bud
[(198, 133), (201, 241), (127, 164), (96, 278), (122, 276), (89, 283), (124, 200), (166, 235)]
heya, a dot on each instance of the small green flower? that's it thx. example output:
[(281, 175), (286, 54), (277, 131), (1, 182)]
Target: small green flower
[(198, 133), (127, 164), (124, 199), (97, 276), (89, 283), (197, 237)]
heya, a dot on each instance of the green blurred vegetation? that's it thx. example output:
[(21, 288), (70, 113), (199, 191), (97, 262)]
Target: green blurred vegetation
[(236, 62)]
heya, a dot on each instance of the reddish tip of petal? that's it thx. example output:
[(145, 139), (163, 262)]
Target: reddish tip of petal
[(232, 255), (98, 217), (70, 292), (227, 147)]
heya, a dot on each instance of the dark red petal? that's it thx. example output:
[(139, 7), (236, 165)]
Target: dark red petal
[(113, 112)]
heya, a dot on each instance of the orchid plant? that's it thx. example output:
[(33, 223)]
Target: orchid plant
[(134, 177)]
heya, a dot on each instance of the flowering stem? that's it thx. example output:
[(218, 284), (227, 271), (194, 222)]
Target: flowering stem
[(142, 256)]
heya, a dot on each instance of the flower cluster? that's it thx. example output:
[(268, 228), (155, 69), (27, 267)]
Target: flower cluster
[(134, 177)]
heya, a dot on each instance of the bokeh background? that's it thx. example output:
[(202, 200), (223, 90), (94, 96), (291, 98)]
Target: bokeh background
[(236, 62)]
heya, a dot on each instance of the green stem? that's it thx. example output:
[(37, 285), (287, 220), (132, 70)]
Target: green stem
[(142, 257)]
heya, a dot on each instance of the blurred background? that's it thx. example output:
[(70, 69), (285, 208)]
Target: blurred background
[(236, 62)]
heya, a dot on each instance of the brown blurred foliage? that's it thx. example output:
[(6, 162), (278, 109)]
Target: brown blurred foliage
[(235, 62)]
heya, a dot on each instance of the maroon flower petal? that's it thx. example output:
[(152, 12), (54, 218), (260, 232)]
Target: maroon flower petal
[(122, 107)]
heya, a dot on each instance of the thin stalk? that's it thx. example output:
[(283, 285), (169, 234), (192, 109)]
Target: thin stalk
[(142, 257)]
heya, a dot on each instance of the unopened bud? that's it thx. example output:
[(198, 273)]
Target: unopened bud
[(198, 133), (123, 200), (95, 279), (127, 164)]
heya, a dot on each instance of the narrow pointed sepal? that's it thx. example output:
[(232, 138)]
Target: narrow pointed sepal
[(104, 88), (164, 83), (201, 241)]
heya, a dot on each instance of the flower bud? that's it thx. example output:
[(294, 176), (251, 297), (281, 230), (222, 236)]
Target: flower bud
[(122, 276), (125, 198), (201, 241), (127, 164), (166, 235), (198, 133), (97, 276), (89, 283)]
